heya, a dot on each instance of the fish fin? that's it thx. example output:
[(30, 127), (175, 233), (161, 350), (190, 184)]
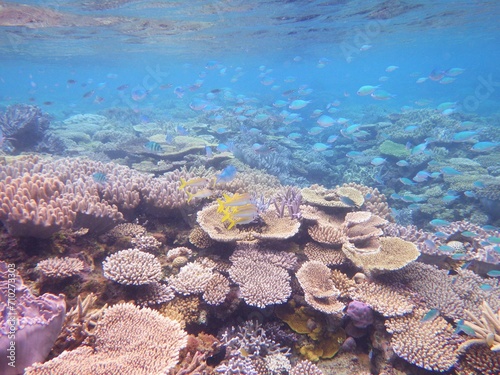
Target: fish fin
[(233, 223), (183, 184), (190, 196)]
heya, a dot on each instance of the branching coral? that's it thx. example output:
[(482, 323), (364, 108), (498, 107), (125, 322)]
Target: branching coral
[(486, 328)]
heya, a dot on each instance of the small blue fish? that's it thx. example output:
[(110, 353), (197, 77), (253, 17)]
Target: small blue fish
[(227, 174), (490, 227), (468, 233), (431, 315), (446, 248), (463, 136), (315, 130), (493, 273), (332, 138), (458, 256), (406, 181), (378, 161), (354, 154), (462, 327), (439, 223), (479, 184), (430, 244), (486, 287), (470, 194), (418, 149), (348, 201), (402, 163), (440, 235), (294, 136), (181, 130), (450, 171), (493, 239), (449, 198), (319, 147), (395, 196), (153, 146), (484, 146), (208, 151), (99, 177), (169, 139)]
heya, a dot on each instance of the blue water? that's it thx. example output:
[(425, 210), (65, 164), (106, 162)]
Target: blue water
[(178, 40)]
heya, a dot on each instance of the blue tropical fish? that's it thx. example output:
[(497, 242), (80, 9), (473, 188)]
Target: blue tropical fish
[(227, 174)]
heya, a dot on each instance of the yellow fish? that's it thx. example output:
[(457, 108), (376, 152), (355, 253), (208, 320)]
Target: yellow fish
[(203, 193), (196, 182)]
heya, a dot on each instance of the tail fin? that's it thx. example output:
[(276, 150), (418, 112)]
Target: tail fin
[(183, 184), (190, 196)]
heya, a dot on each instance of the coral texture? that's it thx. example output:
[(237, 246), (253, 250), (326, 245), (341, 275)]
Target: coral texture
[(132, 267), (128, 340), (60, 268)]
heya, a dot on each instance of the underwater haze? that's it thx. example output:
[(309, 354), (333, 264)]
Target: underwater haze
[(257, 187)]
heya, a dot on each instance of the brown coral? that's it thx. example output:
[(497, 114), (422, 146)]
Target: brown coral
[(132, 267), (191, 279), (199, 238), (430, 344), (324, 254), (382, 254), (269, 227), (261, 281), (317, 195), (60, 268), (362, 226), (388, 300), (123, 345), (216, 290)]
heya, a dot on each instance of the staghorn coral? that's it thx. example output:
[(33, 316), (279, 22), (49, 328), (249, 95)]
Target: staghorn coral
[(382, 254), (262, 279), (79, 323), (324, 254), (31, 323), (123, 338), (430, 344), (191, 279), (60, 268), (252, 338), (132, 267), (216, 290), (486, 328)]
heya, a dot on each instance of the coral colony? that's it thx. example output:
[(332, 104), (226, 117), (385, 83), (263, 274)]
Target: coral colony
[(279, 214)]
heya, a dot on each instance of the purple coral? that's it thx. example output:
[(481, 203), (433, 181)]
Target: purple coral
[(29, 325), (360, 313), (291, 199)]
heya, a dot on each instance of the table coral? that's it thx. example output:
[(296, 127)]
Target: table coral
[(132, 267), (123, 338)]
